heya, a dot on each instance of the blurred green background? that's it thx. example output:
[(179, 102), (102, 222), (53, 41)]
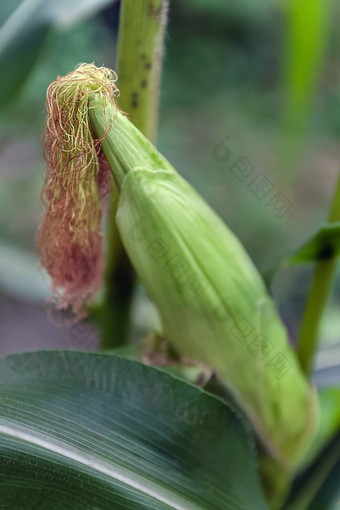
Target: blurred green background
[(263, 73)]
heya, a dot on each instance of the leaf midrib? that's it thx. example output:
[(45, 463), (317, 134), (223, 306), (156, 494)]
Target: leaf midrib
[(174, 501)]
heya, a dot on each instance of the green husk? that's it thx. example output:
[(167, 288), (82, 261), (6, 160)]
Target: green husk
[(211, 299), (207, 291)]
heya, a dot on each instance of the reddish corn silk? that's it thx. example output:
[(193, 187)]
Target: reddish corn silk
[(77, 180), (104, 176)]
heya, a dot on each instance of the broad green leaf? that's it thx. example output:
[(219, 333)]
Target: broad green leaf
[(93, 431), (24, 34), (323, 245)]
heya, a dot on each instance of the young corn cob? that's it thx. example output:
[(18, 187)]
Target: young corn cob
[(212, 302)]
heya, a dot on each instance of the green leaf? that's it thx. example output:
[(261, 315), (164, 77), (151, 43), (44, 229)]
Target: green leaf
[(323, 245), (93, 431), (24, 34)]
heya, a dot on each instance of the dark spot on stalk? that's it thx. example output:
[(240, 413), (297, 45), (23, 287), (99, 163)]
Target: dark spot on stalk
[(326, 252), (148, 65), (143, 83), (154, 11), (134, 99), (143, 56)]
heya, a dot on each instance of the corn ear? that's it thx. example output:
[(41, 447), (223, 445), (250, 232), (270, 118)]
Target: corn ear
[(211, 299)]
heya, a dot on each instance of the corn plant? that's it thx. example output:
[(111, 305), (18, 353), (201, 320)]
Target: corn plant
[(229, 417)]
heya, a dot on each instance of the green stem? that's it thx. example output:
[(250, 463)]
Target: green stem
[(317, 299), (304, 49), (334, 214), (140, 48), (305, 42), (140, 44)]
